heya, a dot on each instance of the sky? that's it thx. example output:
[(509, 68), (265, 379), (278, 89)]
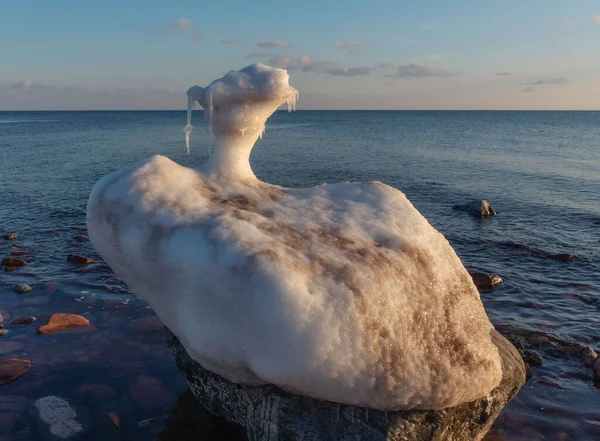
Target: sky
[(381, 54)]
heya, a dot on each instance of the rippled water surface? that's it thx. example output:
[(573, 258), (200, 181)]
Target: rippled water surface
[(539, 170)]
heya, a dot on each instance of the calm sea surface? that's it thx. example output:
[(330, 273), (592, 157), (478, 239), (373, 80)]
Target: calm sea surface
[(539, 170)]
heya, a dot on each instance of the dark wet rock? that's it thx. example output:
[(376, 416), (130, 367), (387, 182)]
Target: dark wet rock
[(23, 320), (484, 280), (189, 418), (597, 373), (22, 288), (476, 208), (6, 347), (116, 419), (55, 418), (81, 238), (18, 253), (531, 357), (13, 261), (9, 269), (79, 260), (149, 392), (9, 236), (589, 356), (147, 324), (61, 322), (7, 421), (97, 391), (12, 368), (564, 257), (269, 413), (147, 422), (1, 320)]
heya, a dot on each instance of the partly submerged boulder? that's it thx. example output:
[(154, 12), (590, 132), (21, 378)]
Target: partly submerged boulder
[(269, 413), (476, 208)]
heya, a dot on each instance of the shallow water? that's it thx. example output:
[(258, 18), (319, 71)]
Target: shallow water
[(539, 170)]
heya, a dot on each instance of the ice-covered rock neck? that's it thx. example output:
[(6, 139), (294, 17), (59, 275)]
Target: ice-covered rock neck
[(237, 107)]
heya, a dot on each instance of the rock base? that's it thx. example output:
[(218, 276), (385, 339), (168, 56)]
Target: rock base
[(269, 413)]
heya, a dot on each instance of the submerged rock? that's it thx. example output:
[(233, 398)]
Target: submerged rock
[(61, 322), (485, 280), (531, 357), (9, 236), (269, 413), (13, 261), (12, 368), (22, 288), (476, 208), (79, 260), (81, 238), (56, 419), (564, 257), (23, 320)]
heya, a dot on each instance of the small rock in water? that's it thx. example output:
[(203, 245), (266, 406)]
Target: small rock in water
[(81, 238), (147, 422), (9, 269), (589, 356), (485, 281), (79, 260), (10, 236), (57, 418), (23, 320), (61, 322), (22, 288), (13, 261), (17, 253), (476, 208), (531, 357), (116, 419), (11, 369), (3, 332), (565, 257)]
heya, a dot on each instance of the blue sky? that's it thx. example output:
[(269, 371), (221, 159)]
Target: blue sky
[(426, 54)]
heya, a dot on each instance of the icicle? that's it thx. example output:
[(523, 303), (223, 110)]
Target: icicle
[(291, 103), (188, 128)]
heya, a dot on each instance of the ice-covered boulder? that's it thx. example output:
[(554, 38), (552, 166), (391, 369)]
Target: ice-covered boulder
[(341, 292)]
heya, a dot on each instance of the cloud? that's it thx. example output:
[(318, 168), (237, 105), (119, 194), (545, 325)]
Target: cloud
[(27, 85), (504, 74), (258, 54), (350, 46), (182, 23), (281, 61), (596, 19), (552, 81), (277, 44), (196, 37), (528, 89), (229, 41), (421, 71), (385, 66), (350, 71)]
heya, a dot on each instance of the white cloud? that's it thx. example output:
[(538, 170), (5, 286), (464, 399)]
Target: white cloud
[(596, 18), (550, 81), (528, 90), (350, 46), (182, 23), (350, 71), (258, 54), (28, 85), (503, 74), (197, 36), (421, 71), (277, 44)]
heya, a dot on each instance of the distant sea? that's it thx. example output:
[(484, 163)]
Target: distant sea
[(539, 170)]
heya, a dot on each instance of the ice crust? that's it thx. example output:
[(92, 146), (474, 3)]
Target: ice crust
[(341, 292)]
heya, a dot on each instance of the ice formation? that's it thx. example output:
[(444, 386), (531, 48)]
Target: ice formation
[(342, 292)]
